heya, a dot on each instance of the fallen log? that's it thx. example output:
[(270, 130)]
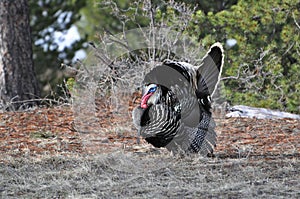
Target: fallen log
[(259, 113)]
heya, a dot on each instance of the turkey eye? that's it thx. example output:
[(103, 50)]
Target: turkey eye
[(153, 89)]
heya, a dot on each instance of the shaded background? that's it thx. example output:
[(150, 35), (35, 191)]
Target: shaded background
[(262, 41)]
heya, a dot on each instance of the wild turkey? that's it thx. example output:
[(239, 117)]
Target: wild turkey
[(176, 102)]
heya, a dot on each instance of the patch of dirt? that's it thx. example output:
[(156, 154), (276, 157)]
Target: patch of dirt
[(242, 137), (52, 131)]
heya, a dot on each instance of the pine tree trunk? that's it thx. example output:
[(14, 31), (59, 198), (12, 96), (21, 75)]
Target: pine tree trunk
[(18, 83)]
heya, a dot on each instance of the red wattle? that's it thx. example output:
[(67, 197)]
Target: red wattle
[(144, 101)]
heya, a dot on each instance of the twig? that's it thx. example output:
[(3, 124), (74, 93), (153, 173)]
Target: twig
[(298, 26)]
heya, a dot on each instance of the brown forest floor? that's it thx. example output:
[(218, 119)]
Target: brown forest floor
[(52, 131), (44, 156)]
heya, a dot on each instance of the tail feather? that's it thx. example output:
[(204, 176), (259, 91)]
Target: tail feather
[(209, 72)]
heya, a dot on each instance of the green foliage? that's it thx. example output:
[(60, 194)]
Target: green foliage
[(264, 65), (42, 135), (111, 16), (210, 6), (48, 17), (261, 70), (70, 84)]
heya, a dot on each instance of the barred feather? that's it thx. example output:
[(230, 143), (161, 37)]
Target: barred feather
[(180, 119)]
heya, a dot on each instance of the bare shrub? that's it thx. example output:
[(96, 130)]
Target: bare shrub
[(116, 66)]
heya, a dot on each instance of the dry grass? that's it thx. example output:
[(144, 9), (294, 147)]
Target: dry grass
[(42, 156), (133, 175)]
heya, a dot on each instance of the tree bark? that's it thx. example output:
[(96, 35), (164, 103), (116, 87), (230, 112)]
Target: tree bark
[(18, 83)]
